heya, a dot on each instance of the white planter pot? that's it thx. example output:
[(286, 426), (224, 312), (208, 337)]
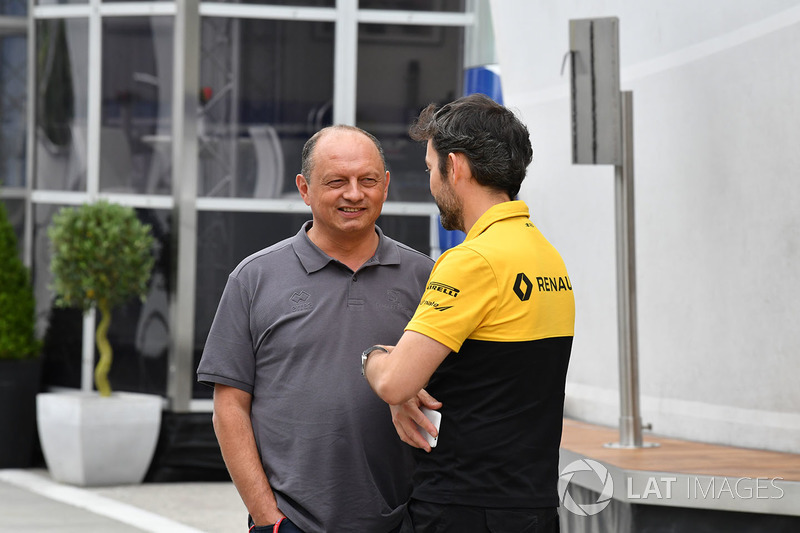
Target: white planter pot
[(92, 441)]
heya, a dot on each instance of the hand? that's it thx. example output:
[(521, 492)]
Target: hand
[(268, 518), (406, 416)]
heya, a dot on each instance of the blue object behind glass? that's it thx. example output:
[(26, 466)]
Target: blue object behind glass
[(483, 80)]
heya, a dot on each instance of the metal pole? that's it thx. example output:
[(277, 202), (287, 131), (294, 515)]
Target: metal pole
[(630, 422), (186, 83), (30, 151), (345, 60), (93, 117)]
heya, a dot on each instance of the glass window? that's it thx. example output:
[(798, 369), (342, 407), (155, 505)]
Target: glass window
[(417, 65), (139, 332), (293, 3), (266, 87), (18, 8), (61, 329), (13, 95), (59, 2), (414, 5), (135, 132), (62, 62), (15, 210), (411, 231)]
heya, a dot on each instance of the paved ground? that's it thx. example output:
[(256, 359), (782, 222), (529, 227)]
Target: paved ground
[(31, 502)]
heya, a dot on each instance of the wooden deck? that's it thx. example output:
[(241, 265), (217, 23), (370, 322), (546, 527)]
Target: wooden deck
[(679, 456)]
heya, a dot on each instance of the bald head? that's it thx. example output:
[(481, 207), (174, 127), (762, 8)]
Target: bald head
[(307, 162)]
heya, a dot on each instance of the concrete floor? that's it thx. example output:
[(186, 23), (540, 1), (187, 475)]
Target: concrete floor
[(31, 502)]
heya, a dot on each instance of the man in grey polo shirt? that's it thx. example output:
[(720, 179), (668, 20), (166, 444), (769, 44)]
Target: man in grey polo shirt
[(306, 442)]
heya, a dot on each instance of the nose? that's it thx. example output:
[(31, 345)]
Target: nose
[(353, 191)]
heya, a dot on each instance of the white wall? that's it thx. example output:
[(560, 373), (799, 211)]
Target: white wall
[(716, 88)]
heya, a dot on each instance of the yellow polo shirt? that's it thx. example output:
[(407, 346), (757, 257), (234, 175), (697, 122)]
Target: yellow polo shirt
[(504, 283), (503, 302)]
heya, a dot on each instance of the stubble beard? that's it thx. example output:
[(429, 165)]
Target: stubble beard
[(451, 211)]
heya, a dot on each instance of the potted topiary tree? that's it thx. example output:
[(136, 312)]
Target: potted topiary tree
[(101, 257), (19, 354)]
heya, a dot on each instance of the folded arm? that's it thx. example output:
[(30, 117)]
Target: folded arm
[(398, 376)]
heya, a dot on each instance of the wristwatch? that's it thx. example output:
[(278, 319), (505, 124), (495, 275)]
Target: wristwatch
[(366, 353)]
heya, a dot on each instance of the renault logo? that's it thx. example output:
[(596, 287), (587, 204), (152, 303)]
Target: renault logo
[(523, 287)]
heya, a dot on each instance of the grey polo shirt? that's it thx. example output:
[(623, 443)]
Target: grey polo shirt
[(289, 329)]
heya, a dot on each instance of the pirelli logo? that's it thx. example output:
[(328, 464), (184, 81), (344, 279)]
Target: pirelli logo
[(441, 287)]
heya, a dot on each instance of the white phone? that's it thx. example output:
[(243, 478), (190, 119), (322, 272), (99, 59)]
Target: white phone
[(436, 418)]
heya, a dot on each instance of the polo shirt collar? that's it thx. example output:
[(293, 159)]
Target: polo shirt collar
[(314, 259), (496, 213)]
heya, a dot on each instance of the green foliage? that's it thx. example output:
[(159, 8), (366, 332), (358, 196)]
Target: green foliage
[(17, 304), (101, 253)]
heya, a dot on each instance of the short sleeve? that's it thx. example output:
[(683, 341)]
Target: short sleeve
[(228, 356), (461, 294)]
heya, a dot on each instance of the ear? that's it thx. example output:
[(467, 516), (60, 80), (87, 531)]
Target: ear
[(302, 186), (386, 187), (458, 167)]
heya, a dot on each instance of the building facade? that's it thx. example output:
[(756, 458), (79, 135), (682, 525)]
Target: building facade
[(195, 114), (715, 114)]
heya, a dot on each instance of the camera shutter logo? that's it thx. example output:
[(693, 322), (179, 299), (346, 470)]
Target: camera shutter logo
[(585, 465)]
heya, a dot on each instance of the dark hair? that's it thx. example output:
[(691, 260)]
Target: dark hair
[(307, 158), (496, 143)]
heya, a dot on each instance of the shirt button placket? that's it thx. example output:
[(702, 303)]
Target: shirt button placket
[(355, 300)]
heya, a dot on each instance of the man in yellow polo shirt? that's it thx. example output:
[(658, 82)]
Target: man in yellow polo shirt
[(490, 340)]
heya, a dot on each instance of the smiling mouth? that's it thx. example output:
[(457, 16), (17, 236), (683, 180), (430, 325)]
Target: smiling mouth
[(351, 209)]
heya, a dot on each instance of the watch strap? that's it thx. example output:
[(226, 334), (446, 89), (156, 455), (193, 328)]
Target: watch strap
[(365, 354)]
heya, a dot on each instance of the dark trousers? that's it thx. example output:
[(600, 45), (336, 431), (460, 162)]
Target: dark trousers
[(287, 526), (438, 518)]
